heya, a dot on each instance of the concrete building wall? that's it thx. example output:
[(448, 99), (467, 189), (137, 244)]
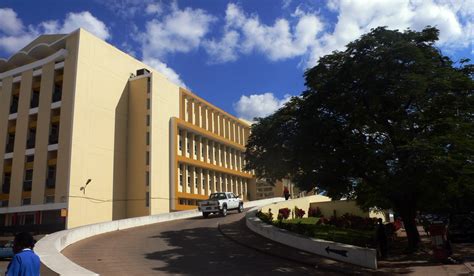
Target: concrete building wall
[(99, 141)]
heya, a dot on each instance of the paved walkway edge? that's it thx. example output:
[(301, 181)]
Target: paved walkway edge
[(365, 257), (49, 247)]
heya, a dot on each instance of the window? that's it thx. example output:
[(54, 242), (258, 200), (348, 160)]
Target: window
[(147, 176), (148, 104), (51, 180), (14, 104), (34, 102), (6, 183), (28, 180), (4, 203), (147, 199), (30, 143), (30, 158), (26, 201), (147, 158), (148, 138), (189, 181), (57, 93), (10, 143), (54, 134), (49, 199), (148, 120), (181, 175)]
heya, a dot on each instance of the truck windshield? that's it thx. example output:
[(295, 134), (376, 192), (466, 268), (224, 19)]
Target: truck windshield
[(217, 196)]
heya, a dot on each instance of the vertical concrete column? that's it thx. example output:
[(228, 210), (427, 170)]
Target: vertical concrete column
[(5, 100), (206, 118), (40, 167), (185, 110), (197, 140), (198, 176), (232, 131), (182, 106), (65, 127), (180, 178), (193, 112), (22, 121), (198, 115)]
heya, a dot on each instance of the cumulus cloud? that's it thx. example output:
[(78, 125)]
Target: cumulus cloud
[(279, 41), (178, 32), (163, 68), (11, 24), (14, 35), (154, 8), (454, 19), (74, 21), (258, 105), (127, 9)]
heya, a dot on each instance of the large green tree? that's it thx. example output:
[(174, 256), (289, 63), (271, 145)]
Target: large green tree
[(388, 122)]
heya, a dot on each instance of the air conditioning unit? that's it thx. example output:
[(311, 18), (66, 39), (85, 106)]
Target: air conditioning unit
[(142, 71)]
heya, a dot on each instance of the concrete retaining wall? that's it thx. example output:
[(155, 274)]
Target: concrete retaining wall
[(301, 203), (49, 248), (365, 257)]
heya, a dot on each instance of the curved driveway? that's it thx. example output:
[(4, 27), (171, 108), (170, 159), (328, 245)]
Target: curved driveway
[(186, 247)]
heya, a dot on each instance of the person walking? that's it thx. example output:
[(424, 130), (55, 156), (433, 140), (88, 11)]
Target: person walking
[(25, 262), (286, 193), (381, 236)]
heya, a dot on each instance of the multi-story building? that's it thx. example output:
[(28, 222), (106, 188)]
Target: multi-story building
[(90, 134)]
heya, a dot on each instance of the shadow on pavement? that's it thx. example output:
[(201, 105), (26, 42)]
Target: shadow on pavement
[(204, 250)]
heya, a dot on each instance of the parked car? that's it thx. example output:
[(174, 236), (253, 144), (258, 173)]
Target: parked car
[(220, 203), (6, 251), (461, 227)]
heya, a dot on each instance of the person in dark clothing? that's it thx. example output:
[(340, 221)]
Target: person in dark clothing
[(286, 193), (25, 262), (381, 236)]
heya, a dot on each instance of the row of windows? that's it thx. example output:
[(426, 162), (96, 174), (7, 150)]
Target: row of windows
[(32, 129), (204, 181), (56, 91), (209, 151), (203, 116), (27, 184)]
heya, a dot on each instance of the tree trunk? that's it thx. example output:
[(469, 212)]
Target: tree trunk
[(413, 236)]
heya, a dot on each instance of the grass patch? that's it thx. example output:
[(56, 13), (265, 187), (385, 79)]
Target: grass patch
[(308, 227)]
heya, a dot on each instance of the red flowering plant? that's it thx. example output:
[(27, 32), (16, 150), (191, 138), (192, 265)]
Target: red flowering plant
[(299, 213), (283, 213)]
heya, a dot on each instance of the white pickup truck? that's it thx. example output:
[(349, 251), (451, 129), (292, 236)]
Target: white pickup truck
[(220, 203)]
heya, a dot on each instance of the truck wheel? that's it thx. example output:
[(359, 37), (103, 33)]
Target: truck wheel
[(241, 208), (224, 211), (205, 215)]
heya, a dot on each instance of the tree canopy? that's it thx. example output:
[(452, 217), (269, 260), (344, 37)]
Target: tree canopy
[(388, 122)]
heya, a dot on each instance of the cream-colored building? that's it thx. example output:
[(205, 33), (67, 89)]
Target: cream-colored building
[(90, 134)]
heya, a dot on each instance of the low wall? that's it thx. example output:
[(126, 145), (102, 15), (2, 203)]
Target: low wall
[(302, 203), (49, 247), (365, 257), (344, 206)]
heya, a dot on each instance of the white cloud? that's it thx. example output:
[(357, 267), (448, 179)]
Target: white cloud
[(11, 24), (285, 3), (454, 19), (74, 21), (258, 105), (128, 9), (154, 8), (14, 35), (180, 31), (165, 70), (279, 41)]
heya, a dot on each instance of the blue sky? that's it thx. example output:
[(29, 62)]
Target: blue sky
[(247, 57)]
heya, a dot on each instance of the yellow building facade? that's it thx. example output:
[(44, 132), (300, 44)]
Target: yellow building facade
[(90, 134)]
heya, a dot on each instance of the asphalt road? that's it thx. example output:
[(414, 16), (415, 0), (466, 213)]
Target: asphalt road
[(184, 247)]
